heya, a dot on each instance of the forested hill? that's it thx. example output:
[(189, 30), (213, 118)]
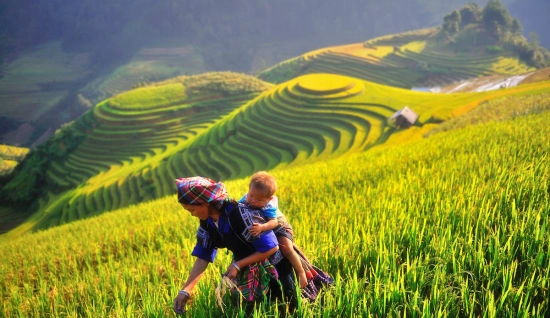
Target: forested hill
[(228, 30)]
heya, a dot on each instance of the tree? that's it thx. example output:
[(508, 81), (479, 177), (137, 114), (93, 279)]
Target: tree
[(516, 27), (451, 22), (496, 18), (470, 13)]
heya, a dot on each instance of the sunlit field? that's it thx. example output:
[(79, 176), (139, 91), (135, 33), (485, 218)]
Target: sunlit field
[(451, 225)]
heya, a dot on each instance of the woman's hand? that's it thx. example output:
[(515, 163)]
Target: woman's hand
[(180, 302), (231, 272)]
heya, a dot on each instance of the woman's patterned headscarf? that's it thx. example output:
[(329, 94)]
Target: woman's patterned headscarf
[(197, 190)]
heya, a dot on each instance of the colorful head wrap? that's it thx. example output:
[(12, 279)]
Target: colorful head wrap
[(197, 190)]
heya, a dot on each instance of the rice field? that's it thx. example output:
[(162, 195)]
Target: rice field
[(450, 225)]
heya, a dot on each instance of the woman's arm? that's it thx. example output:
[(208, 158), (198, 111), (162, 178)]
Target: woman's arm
[(251, 259), (196, 273)]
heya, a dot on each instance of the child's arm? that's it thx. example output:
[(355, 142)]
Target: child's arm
[(258, 228)]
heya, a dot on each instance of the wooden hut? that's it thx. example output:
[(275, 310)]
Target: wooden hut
[(404, 118)]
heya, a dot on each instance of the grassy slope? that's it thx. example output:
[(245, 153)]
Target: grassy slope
[(449, 225), (420, 60), (134, 150)]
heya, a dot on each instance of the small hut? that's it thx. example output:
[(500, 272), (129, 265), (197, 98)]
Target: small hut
[(404, 118)]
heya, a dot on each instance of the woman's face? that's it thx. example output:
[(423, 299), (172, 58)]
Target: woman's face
[(199, 211)]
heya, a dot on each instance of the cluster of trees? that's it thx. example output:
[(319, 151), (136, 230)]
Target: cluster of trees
[(495, 18), (497, 22)]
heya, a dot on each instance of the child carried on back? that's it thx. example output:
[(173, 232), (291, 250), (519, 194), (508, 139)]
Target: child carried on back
[(261, 196)]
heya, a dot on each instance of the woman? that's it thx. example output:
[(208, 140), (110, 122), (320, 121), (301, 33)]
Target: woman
[(258, 269)]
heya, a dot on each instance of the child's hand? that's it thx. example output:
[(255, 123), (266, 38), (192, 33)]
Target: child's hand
[(256, 229)]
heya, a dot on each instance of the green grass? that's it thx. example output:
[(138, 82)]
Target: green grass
[(451, 225)]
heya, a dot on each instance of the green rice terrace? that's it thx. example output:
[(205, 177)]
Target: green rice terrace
[(127, 149), (406, 60)]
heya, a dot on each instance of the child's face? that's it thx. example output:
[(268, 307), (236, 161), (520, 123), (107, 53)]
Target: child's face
[(257, 198)]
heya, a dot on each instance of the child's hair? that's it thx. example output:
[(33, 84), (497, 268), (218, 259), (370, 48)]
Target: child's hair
[(263, 181)]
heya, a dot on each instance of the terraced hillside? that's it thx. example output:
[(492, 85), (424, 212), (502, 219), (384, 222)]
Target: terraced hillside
[(401, 60), (129, 139), (139, 141)]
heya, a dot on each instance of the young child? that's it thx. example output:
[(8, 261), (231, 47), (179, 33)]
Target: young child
[(260, 195)]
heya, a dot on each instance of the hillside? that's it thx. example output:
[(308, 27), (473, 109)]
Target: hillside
[(450, 225), (128, 148), (402, 60)]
